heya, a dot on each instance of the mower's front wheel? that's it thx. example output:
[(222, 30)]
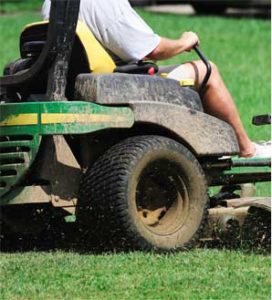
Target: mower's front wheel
[(148, 192)]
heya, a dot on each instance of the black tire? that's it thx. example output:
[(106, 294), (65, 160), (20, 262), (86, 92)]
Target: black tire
[(147, 192)]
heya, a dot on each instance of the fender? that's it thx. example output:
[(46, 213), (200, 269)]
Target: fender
[(162, 102), (205, 135)]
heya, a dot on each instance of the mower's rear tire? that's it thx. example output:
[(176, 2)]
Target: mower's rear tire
[(148, 192)]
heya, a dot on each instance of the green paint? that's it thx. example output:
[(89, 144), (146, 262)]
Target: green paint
[(16, 156), (19, 144), (73, 107)]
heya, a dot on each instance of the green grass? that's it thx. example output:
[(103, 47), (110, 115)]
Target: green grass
[(196, 275), (241, 49), (10, 28), (12, 6)]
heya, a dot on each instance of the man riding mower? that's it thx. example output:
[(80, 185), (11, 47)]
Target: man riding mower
[(131, 156)]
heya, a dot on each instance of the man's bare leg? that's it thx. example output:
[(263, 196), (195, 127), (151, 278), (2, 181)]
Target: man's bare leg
[(218, 102)]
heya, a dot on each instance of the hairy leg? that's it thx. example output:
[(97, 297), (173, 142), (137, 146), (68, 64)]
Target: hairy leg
[(217, 101)]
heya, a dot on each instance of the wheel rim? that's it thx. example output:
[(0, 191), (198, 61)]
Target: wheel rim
[(162, 198)]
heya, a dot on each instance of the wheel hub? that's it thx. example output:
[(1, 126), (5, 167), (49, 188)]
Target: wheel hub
[(162, 200)]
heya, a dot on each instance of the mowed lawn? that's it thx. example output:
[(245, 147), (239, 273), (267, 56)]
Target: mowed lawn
[(199, 274), (241, 49)]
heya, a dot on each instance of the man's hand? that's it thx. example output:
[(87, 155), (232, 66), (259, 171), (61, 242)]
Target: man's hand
[(188, 40), (168, 48)]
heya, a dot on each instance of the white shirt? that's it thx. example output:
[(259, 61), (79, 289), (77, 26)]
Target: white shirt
[(117, 26)]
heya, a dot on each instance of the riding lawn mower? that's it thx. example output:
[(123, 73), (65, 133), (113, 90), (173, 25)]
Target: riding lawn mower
[(129, 158)]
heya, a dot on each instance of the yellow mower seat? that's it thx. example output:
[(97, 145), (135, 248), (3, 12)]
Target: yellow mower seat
[(96, 57), (99, 60)]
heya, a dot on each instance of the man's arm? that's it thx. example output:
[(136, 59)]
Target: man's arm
[(168, 48)]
